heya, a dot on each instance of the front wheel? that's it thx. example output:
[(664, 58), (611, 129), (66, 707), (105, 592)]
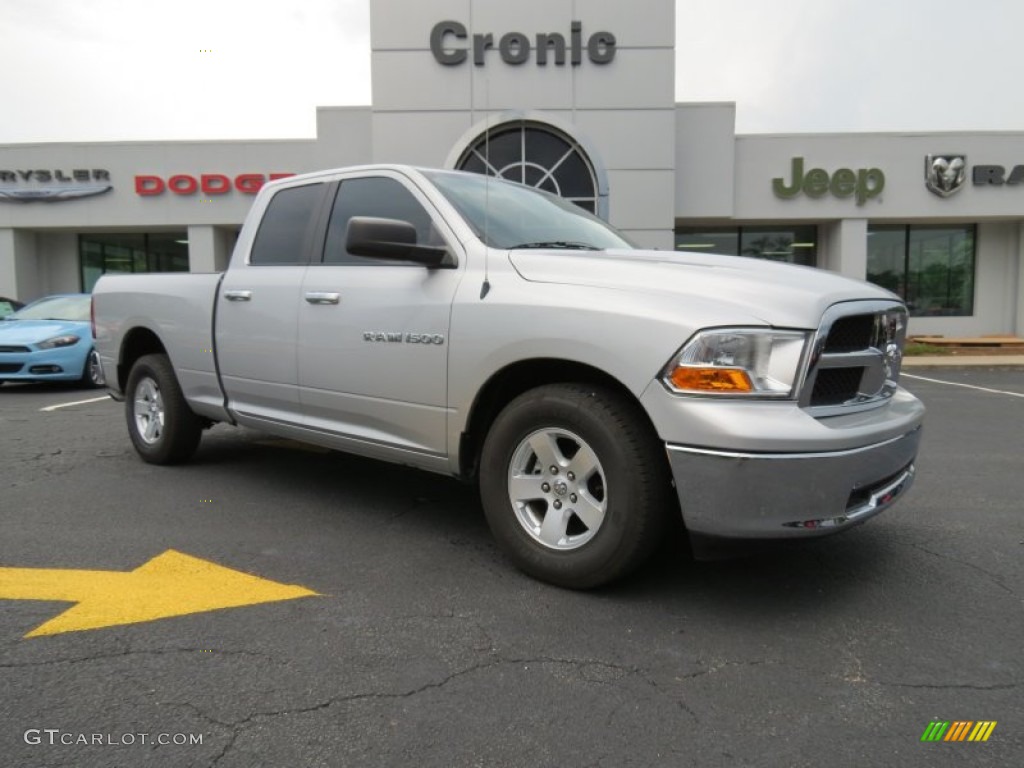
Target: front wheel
[(574, 484), (92, 371), (162, 427)]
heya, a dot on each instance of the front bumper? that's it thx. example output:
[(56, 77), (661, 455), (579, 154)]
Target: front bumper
[(725, 494), (31, 364)]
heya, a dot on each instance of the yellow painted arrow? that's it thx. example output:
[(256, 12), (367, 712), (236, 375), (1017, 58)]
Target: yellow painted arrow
[(171, 584)]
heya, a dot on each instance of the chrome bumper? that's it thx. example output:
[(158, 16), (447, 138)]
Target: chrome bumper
[(786, 495)]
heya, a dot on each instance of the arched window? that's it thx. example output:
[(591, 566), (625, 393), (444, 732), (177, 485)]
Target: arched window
[(537, 155)]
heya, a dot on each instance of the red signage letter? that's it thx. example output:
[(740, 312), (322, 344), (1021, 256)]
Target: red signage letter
[(182, 184), (249, 183), (214, 183), (148, 185)]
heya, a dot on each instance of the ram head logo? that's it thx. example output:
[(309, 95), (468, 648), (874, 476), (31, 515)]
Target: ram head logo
[(945, 174)]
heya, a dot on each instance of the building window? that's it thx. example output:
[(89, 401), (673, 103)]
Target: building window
[(930, 266), (128, 252), (796, 244), (536, 155)]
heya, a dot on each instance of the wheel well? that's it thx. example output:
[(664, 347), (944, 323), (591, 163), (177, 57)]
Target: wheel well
[(512, 381), (137, 342)]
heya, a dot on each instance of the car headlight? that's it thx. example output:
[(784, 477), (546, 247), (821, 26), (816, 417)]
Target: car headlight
[(749, 362), (58, 341)]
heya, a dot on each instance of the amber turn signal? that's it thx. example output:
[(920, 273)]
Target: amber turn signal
[(695, 379)]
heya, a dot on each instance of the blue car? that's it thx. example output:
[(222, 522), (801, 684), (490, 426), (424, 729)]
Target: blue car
[(50, 340), (7, 306)]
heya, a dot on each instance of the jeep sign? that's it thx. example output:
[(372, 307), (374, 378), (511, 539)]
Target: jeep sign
[(862, 184)]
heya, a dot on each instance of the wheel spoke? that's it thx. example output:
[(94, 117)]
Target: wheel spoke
[(525, 487), (546, 450), (590, 511), (584, 463), (552, 530)]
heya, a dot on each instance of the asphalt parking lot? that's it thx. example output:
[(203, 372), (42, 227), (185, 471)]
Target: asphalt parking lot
[(422, 647)]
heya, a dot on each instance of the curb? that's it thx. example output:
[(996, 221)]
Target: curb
[(989, 362)]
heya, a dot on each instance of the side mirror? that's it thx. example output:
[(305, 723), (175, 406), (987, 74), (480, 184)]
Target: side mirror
[(378, 238)]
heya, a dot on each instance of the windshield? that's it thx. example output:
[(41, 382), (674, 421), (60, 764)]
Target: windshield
[(506, 215), (55, 308)]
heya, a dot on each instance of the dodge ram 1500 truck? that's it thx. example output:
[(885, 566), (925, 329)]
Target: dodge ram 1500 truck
[(487, 330)]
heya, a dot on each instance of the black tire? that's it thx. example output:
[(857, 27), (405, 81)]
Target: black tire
[(162, 427), (92, 372), (607, 523)]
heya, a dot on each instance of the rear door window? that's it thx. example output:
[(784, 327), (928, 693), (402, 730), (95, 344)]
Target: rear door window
[(286, 229)]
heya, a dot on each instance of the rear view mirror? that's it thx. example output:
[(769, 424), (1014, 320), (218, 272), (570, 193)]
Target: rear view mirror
[(378, 238)]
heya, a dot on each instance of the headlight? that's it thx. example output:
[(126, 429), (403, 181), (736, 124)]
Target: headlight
[(752, 362), (58, 341)]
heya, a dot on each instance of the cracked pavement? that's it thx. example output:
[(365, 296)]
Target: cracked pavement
[(424, 647)]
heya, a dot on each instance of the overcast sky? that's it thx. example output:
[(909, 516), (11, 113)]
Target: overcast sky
[(98, 70)]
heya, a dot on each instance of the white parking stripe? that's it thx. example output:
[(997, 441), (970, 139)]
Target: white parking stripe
[(77, 402), (968, 386)]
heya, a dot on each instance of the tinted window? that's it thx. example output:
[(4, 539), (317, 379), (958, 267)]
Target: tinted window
[(74, 308), (281, 238), (381, 197), (507, 215)]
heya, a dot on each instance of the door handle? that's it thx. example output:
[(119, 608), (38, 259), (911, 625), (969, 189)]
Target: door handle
[(238, 295), (323, 297)]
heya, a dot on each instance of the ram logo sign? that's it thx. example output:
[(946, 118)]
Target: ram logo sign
[(945, 174)]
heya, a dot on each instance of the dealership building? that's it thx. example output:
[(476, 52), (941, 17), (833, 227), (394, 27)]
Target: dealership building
[(576, 97)]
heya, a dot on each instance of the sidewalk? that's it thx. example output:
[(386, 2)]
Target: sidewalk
[(1012, 362)]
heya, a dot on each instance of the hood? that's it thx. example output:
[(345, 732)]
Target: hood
[(35, 331), (779, 294)]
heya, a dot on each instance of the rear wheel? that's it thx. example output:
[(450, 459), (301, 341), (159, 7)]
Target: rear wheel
[(162, 427), (574, 485)]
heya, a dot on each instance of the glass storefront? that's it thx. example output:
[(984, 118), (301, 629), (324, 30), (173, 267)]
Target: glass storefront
[(128, 252), (794, 244), (930, 266)]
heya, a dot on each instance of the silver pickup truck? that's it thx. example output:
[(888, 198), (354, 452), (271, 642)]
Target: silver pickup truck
[(492, 332)]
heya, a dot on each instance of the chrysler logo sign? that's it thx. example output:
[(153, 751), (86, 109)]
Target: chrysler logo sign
[(11, 181), (945, 174)]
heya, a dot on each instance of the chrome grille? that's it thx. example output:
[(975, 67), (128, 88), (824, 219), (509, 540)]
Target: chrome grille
[(848, 334), (855, 357), (834, 386)]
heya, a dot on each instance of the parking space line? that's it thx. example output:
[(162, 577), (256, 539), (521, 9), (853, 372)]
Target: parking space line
[(968, 386), (77, 402)]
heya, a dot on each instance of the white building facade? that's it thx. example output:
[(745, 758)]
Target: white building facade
[(573, 96)]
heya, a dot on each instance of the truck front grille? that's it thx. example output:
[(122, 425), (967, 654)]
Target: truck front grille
[(848, 334), (855, 357), (835, 386)]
